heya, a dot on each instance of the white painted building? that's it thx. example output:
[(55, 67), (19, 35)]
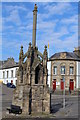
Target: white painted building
[(78, 74), (49, 72), (8, 71)]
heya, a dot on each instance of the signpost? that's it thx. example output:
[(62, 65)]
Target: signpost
[(64, 93)]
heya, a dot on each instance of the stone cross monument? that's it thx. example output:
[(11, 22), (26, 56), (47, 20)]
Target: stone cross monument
[(32, 92)]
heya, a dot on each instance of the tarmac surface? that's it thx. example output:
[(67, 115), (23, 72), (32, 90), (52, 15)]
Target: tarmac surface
[(57, 111)]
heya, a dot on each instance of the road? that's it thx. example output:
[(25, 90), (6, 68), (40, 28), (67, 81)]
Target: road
[(6, 98), (57, 110), (71, 106)]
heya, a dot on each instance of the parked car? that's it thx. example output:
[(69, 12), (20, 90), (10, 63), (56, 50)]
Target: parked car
[(10, 85)]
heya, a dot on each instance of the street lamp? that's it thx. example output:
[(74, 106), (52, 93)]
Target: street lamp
[(64, 93)]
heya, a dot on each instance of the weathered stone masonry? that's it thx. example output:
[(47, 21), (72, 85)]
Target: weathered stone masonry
[(32, 92)]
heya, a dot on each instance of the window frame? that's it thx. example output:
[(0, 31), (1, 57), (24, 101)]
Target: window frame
[(11, 73), (7, 74), (3, 74), (63, 72), (55, 70), (71, 72)]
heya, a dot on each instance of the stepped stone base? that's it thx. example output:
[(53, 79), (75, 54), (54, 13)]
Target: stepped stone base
[(34, 99)]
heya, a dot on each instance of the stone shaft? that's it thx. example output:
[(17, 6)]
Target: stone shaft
[(34, 26)]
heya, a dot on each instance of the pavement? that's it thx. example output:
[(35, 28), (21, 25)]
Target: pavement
[(0, 100), (70, 109), (7, 94), (57, 110)]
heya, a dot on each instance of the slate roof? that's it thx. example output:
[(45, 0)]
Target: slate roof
[(69, 56), (9, 63)]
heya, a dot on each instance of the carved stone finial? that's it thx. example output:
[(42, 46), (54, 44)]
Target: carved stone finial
[(35, 7), (21, 47), (21, 54), (45, 54), (29, 51), (30, 44), (45, 47), (36, 48)]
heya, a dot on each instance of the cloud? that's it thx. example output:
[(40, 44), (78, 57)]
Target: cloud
[(10, 8), (50, 34), (67, 44), (40, 0), (0, 18), (9, 28), (57, 8), (14, 17), (45, 25), (56, 42), (13, 13), (74, 28), (71, 20), (58, 29), (29, 15), (52, 9), (58, 45), (0, 42)]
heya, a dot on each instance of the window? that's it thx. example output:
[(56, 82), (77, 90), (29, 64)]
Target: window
[(7, 74), (54, 79), (3, 74), (71, 70), (71, 80), (11, 73), (7, 81), (62, 69), (55, 70), (16, 82)]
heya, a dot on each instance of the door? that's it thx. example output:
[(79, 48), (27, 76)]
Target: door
[(62, 84), (71, 84), (54, 84)]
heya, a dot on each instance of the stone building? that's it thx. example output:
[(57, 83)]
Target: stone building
[(32, 92), (8, 70), (65, 66)]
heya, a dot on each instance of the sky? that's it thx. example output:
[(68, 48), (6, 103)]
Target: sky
[(57, 23)]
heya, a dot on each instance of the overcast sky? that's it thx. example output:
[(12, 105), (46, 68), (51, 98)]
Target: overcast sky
[(57, 22)]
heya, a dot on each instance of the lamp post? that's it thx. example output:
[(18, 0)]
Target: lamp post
[(64, 93)]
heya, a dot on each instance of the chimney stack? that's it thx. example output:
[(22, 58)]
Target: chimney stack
[(77, 51)]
